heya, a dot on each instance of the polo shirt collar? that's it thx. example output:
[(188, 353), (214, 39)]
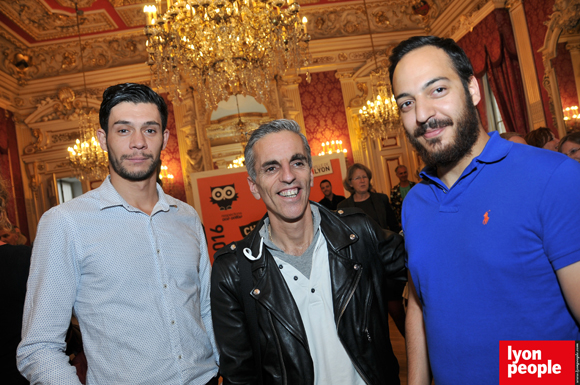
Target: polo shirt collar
[(109, 197), (495, 150)]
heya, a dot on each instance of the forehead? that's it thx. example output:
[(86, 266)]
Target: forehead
[(421, 65), (128, 110), (359, 171), (402, 169), (278, 146)]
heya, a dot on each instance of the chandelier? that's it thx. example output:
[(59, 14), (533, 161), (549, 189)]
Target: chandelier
[(224, 47), (86, 157), (380, 115)]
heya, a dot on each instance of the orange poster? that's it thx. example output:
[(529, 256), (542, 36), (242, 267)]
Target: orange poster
[(229, 211)]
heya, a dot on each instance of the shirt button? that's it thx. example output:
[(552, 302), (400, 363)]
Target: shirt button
[(165, 286), (179, 356), (157, 251), (312, 290), (296, 278), (172, 322), (280, 266)]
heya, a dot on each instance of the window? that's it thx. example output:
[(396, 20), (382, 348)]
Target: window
[(494, 119), (68, 188)]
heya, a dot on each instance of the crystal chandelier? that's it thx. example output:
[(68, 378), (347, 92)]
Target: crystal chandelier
[(225, 47), (380, 115), (86, 157)]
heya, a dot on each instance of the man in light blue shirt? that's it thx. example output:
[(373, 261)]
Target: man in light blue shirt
[(131, 261)]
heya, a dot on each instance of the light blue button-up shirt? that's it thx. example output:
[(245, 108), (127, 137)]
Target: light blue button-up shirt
[(139, 285)]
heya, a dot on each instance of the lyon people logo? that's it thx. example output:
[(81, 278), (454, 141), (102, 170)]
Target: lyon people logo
[(224, 196)]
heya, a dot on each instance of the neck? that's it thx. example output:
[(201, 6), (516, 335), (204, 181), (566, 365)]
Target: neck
[(404, 184), (359, 197), (141, 195), (329, 197), (292, 237), (450, 174)]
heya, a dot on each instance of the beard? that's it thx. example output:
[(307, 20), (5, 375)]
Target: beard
[(466, 134), (136, 176)]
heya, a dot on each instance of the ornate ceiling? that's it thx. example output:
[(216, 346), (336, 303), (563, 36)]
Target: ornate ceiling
[(38, 38)]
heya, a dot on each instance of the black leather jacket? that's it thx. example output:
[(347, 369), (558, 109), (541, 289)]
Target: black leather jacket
[(361, 255)]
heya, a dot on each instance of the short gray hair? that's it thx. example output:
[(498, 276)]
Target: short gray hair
[(270, 128)]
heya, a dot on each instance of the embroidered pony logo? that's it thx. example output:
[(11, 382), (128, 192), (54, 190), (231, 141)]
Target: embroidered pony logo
[(486, 217)]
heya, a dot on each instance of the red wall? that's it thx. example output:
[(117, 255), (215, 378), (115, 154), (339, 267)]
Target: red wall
[(562, 63), (324, 112), (11, 172), (170, 156)]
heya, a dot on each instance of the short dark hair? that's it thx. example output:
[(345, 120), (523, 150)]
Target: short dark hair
[(325, 181), (573, 137), (132, 93), (350, 173), (272, 127), (460, 61), (539, 137)]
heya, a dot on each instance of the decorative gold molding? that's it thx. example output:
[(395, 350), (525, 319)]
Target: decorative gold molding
[(42, 23)]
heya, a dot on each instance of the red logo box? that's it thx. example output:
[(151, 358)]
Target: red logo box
[(537, 362)]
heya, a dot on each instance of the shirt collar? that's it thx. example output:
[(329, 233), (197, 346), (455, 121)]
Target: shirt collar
[(109, 197), (495, 150)]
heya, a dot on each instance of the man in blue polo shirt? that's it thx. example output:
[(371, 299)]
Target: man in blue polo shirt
[(493, 250)]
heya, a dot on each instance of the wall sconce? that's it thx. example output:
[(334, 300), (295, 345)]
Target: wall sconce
[(166, 178), (332, 147)]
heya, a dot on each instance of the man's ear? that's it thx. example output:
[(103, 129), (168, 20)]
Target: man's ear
[(473, 88), (102, 137), (254, 188), (165, 138)]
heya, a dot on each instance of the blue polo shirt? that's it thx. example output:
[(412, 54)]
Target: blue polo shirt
[(483, 255)]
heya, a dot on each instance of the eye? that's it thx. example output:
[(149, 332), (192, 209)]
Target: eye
[(440, 91), (151, 131), (270, 169), (406, 106)]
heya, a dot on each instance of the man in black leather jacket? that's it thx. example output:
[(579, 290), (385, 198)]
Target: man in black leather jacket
[(301, 299)]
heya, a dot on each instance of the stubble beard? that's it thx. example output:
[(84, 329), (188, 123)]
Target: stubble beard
[(137, 176), (466, 134)]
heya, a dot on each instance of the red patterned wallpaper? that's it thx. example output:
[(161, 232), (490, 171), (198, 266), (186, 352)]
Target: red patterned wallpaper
[(492, 51), (565, 74), (537, 13), (324, 112), (11, 172), (170, 156)]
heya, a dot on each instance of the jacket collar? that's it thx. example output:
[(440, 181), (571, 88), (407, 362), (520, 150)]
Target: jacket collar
[(337, 233)]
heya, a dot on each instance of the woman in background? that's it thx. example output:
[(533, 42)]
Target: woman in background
[(15, 263), (570, 145), (378, 207), (542, 137)]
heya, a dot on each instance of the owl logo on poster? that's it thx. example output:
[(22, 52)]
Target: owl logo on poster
[(224, 196)]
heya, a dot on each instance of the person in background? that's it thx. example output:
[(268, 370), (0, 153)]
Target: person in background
[(399, 192), (330, 200), (377, 206), (570, 145), (9, 235), (14, 262), (130, 260), (515, 137), (483, 267), (300, 300), (542, 137)]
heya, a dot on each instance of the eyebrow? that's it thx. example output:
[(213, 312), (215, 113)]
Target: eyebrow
[(149, 123), (430, 82), (276, 163), (298, 157)]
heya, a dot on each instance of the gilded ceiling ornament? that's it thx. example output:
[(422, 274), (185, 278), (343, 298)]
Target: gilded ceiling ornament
[(79, 3), (566, 14), (38, 20)]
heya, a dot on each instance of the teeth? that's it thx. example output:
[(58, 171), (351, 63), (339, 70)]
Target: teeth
[(289, 193)]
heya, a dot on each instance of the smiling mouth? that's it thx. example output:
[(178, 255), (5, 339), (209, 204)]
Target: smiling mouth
[(290, 193)]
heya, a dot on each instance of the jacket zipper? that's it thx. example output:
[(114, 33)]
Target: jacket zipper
[(279, 349), (354, 363)]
